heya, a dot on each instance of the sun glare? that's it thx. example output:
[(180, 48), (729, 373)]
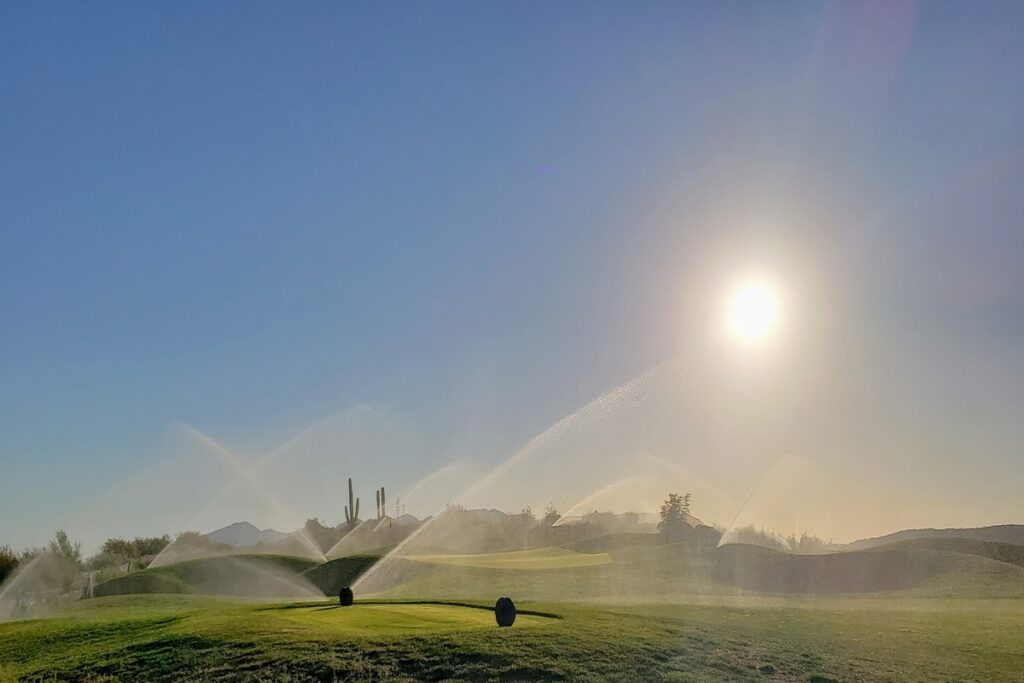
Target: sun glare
[(753, 312)]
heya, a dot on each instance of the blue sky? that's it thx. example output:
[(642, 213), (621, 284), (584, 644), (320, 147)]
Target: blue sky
[(475, 217)]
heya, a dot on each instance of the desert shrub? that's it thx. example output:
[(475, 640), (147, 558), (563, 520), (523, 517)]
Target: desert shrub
[(8, 562), (62, 547)]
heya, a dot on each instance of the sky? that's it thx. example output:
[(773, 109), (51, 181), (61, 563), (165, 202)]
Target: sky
[(384, 240)]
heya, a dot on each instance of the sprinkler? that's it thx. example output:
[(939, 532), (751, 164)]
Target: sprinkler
[(345, 597), (505, 612)]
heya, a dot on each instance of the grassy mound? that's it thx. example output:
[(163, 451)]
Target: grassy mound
[(879, 570), (366, 619), (674, 571), (1003, 552), (230, 575), (143, 582), (611, 542), (534, 558), (332, 576)]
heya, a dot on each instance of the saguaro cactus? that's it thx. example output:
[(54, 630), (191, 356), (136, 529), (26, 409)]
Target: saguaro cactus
[(352, 509), (382, 505)]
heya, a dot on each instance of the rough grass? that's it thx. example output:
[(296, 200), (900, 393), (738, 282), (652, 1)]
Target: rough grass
[(192, 638)]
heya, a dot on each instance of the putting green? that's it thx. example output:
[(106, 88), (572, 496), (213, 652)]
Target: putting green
[(535, 558), (377, 619)]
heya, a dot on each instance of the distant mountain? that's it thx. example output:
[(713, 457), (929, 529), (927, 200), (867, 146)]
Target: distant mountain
[(1002, 533), (244, 534), (387, 523), (489, 515), (406, 520)]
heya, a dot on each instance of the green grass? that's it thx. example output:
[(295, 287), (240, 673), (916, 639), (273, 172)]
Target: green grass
[(693, 614), (380, 618), (238, 575), (677, 572), (1002, 552), (534, 558), (194, 638)]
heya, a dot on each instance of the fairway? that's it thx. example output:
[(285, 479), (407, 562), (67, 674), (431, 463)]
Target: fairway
[(535, 558), (390, 619), (196, 638)]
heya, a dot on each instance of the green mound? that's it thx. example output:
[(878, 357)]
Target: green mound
[(230, 575), (1009, 553), (144, 582), (878, 570), (332, 576), (610, 542), (375, 619), (534, 558), (662, 571)]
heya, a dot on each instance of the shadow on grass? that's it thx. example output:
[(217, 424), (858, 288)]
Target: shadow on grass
[(320, 607)]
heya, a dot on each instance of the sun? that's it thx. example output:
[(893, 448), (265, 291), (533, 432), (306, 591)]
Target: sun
[(752, 314)]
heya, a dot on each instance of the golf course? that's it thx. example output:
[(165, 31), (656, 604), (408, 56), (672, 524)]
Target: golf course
[(189, 638), (633, 611)]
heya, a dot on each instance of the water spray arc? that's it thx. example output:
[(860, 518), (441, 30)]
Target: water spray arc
[(605, 404), (244, 473)]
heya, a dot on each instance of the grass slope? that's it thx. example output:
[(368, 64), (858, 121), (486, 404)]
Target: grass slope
[(236, 575), (332, 576), (1003, 552), (630, 569), (677, 571), (534, 558), (191, 638), (1000, 533)]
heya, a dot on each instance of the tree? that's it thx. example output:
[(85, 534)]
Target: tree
[(151, 546), (551, 516), (62, 547), (116, 551), (118, 547), (8, 562), (674, 511)]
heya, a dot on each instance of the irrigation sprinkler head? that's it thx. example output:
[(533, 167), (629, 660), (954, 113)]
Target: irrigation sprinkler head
[(505, 612), (345, 597)]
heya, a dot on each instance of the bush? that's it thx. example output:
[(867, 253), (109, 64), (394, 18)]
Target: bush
[(8, 562)]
